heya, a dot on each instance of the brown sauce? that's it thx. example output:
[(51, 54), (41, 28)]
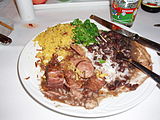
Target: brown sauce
[(67, 81)]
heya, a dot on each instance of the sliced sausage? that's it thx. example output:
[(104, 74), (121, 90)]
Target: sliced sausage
[(78, 49), (86, 69), (76, 59)]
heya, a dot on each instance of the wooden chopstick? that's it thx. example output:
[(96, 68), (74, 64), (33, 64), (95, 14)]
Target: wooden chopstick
[(5, 25)]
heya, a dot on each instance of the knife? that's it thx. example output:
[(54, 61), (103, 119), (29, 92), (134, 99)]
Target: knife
[(133, 36)]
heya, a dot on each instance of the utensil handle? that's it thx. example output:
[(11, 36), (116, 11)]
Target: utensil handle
[(147, 42), (157, 25), (143, 41), (5, 40), (153, 75), (5, 25), (105, 23)]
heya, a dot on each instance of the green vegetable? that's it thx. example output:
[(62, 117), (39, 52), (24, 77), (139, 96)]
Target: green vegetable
[(101, 61), (85, 33)]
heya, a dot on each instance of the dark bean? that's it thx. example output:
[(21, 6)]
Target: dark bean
[(123, 82), (121, 69), (132, 87), (108, 52), (126, 77), (128, 85), (130, 66), (118, 36), (111, 87), (117, 83), (99, 52), (95, 53), (95, 58), (103, 47), (113, 65), (104, 57), (90, 49), (97, 63)]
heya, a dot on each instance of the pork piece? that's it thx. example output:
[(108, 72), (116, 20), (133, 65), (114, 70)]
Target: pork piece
[(71, 81), (76, 59), (54, 74), (74, 85), (55, 78), (94, 83), (52, 94), (78, 49), (83, 65), (86, 69), (53, 62)]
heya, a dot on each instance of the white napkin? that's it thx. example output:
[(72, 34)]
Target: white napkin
[(26, 10)]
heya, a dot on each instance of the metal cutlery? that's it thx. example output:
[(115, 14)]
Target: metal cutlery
[(144, 41), (5, 40), (156, 25), (151, 74)]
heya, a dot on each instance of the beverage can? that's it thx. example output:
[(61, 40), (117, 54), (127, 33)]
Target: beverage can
[(124, 11)]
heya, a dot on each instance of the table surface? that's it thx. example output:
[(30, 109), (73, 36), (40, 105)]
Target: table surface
[(16, 104)]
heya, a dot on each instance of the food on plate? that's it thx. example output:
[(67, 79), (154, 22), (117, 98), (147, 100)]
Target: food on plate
[(80, 66)]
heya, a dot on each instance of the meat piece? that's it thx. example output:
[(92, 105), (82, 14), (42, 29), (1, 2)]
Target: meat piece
[(94, 84), (111, 86), (53, 62), (85, 68), (78, 49), (76, 59), (73, 84), (55, 78), (71, 81)]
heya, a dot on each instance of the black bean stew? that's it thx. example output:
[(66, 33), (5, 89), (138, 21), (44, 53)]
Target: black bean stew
[(76, 81)]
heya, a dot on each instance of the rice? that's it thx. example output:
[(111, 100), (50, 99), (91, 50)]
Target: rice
[(55, 40)]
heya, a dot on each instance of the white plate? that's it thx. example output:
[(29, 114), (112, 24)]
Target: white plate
[(109, 106)]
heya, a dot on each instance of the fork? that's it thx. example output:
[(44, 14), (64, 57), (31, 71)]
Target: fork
[(150, 73)]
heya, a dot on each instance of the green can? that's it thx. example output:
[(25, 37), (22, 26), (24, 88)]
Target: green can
[(124, 11)]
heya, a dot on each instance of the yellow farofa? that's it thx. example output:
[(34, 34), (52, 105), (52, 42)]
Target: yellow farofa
[(55, 40)]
